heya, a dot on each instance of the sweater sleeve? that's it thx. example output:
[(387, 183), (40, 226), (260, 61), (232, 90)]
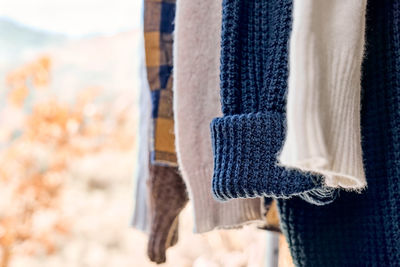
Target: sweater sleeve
[(323, 102), (249, 135)]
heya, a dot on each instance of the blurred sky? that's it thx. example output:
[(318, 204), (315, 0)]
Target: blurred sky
[(75, 18)]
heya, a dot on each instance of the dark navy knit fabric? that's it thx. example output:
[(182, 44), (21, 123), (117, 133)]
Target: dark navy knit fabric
[(362, 229), (254, 73)]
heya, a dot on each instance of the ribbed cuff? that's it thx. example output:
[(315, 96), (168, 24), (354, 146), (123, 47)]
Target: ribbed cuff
[(211, 214), (245, 166), (323, 111), (323, 102)]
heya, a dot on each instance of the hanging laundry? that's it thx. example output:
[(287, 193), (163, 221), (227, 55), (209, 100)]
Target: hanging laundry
[(196, 102), (361, 229), (158, 28), (166, 188), (167, 199), (141, 215), (247, 139), (323, 106)]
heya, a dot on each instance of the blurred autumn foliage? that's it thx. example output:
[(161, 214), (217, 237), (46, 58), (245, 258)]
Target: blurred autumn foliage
[(36, 153)]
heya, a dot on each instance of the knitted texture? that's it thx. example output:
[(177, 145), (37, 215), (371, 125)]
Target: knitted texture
[(167, 199), (197, 42), (362, 229), (246, 140), (323, 103)]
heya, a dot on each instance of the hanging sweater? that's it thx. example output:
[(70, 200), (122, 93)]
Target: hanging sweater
[(158, 26), (323, 105), (246, 140), (196, 101), (141, 214), (362, 229)]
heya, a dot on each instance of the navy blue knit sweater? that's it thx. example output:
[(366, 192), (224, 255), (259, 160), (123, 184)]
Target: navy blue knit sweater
[(254, 72), (362, 230)]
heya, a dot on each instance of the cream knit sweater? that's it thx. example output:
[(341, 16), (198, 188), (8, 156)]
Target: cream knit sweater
[(323, 103), (196, 102)]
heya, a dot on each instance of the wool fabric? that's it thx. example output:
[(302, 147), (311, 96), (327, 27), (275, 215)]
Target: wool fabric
[(246, 140), (323, 103), (196, 101), (361, 229), (167, 199)]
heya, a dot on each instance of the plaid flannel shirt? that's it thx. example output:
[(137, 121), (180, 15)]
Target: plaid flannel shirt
[(158, 28)]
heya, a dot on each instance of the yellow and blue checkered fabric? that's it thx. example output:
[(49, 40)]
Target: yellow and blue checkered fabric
[(158, 29)]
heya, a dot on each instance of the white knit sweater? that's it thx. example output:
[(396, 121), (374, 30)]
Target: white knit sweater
[(323, 103), (196, 102)]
